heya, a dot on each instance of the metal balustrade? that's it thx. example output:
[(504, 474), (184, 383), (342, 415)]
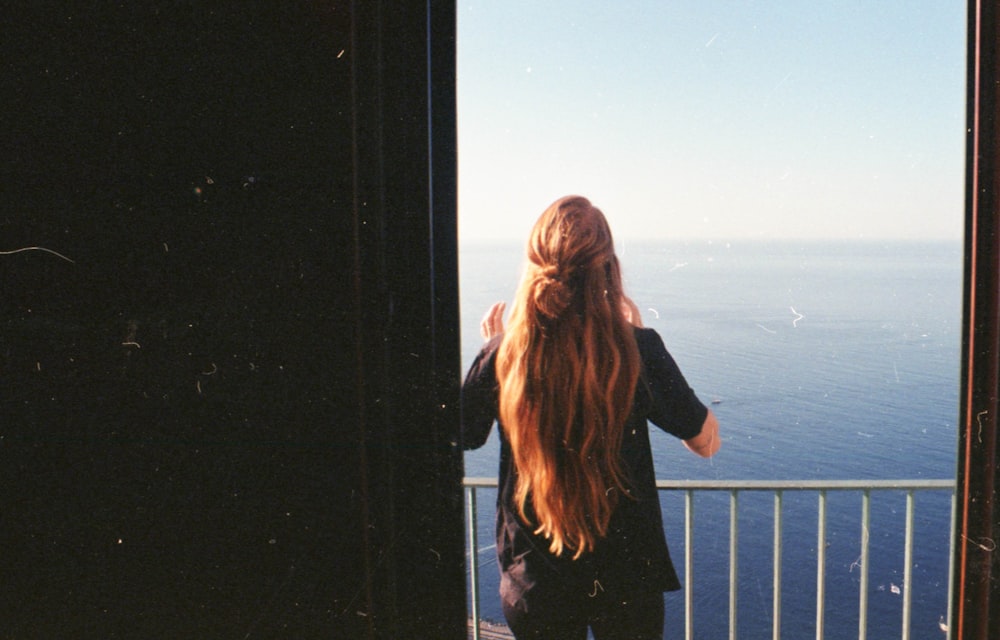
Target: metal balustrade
[(778, 488)]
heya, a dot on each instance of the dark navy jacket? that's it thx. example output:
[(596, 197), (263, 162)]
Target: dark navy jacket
[(634, 555)]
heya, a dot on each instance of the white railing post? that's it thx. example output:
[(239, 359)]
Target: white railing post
[(776, 605), (951, 566), (821, 565), (473, 561), (733, 559), (689, 565), (908, 566), (866, 500)]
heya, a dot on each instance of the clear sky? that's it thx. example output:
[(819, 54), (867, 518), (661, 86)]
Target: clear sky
[(712, 118)]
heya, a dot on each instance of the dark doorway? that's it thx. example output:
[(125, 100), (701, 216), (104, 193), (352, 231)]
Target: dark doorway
[(224, 411)]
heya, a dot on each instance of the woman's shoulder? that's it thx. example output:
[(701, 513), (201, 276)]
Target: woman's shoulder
[(647, 339)]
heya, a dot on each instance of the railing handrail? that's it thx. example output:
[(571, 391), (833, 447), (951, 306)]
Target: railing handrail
[(778, 488), (773, 485)]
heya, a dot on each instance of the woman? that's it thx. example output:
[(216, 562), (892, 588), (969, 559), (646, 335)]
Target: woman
[(572, 383)]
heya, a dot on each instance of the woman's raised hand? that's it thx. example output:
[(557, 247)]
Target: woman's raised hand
[(492, 324)]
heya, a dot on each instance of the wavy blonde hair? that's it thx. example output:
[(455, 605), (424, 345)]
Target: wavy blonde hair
[(567, 368)]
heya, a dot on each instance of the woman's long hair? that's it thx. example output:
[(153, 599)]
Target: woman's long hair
[(567, 368)]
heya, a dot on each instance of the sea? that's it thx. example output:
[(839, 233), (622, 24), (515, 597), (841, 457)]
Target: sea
[(823, 360)]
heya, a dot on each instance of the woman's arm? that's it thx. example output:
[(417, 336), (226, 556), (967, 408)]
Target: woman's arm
[(479, 400), (706, 443), (479, 391)]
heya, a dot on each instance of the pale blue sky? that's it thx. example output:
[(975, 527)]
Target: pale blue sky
[(712, 119)]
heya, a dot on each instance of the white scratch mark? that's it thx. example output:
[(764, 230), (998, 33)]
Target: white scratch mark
[(679, 265), (22, 249), (766, 329), (655, 312), (798, 317), (711, 40), (988, 545), (597, 586), (783, 81)]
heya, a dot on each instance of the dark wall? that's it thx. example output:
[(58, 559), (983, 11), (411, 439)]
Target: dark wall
[(193, 439)]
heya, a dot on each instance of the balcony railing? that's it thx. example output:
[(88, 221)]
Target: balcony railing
[(778, 489)]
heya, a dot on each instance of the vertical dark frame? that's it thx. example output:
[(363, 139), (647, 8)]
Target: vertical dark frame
[(976, 606), (408, 357), (231, 411)]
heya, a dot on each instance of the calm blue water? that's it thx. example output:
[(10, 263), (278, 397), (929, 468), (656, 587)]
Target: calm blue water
[(829, 360)]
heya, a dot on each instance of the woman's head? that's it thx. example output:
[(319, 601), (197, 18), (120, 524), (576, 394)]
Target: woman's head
[(571, 259), (567, 369)]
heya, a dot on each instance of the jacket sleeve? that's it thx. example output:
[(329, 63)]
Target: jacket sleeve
[(674, 407), (480, 393)]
